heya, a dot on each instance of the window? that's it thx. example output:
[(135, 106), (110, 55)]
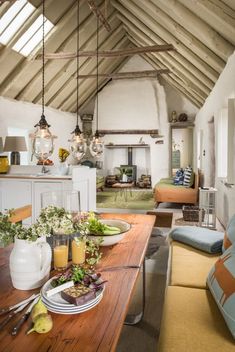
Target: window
[(14, 18), (32, 37)]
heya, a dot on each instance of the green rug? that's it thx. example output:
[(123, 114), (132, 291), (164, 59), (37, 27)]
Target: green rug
[(140, 199)]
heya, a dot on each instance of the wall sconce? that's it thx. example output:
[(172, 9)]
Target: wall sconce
[(15, 144)]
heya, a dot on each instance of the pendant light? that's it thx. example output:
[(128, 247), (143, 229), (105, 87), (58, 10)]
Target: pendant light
[(42, 139), (78, 144), (96, 146)]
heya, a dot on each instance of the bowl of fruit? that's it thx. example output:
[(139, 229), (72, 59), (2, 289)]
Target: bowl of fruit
[(111, 231)]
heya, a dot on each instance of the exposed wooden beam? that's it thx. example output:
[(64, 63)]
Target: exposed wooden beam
[(173, 61), (99, 14), (151, 132), (215, 13), (165, 29), (127, 75), (108, 53), (197, 27)]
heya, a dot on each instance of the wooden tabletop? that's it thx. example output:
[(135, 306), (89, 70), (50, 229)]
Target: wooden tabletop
[(99, 328)]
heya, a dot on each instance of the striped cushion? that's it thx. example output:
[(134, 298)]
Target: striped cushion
[(187, 176), (229, 236), (221, 282)]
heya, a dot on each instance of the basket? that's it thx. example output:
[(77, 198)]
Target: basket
[(191, 213)]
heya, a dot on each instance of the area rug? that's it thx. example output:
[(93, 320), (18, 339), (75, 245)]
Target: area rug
[(137, 199)]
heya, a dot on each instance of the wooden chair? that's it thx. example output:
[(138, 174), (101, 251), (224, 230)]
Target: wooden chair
[(19, 214)]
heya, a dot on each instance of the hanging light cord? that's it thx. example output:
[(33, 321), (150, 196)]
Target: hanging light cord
[(78, 46), (97, 72), (43, 54)]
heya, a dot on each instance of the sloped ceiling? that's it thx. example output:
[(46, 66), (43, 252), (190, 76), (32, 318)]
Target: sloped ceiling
[(202, 32)]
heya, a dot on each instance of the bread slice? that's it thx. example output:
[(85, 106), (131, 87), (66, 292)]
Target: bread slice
[(78, 294)]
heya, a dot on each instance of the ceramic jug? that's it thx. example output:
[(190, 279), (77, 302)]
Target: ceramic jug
[(30, 263)]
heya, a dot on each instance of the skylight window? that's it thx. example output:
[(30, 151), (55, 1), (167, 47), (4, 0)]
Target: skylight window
[(32, 37), (13, 19)]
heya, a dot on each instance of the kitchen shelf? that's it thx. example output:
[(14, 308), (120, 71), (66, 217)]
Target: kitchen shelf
[(113, 146)]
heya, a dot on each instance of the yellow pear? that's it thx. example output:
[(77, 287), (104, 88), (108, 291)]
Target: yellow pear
[(43, 324), (37, 309)]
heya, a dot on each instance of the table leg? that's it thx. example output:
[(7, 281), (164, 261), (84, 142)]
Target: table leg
[(133, 319)]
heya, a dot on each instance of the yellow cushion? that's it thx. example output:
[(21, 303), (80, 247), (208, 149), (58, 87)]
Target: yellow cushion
[(190, 266), (192, 322)]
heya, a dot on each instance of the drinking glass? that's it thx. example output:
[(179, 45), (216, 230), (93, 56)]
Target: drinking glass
[(60, 251), (78, 249), (69, 200)]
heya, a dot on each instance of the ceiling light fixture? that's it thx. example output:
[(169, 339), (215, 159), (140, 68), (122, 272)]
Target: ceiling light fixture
[(42, 139), (97, 146), (78, 144)]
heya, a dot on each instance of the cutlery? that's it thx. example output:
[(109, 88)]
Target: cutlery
[(12, 314), (24, 317), (27, 300)]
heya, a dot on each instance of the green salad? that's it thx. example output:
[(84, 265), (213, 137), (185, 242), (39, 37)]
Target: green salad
[(96, 227)]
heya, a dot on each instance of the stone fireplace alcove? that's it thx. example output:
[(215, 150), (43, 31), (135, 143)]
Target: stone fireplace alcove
[(135, 104)]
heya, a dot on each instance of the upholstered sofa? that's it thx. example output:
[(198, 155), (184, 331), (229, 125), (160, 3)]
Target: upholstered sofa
[(166, 191), (191, 319)]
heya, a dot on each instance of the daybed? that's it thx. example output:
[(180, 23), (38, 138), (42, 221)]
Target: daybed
[(191, 319), (166, 191)]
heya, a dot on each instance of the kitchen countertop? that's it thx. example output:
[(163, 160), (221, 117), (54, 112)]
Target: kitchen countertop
[(36, 176)]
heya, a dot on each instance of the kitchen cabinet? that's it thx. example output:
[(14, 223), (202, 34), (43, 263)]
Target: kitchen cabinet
[(19, 190), (16, 194)]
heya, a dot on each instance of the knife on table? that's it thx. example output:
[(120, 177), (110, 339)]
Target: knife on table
[(12, 314), (27, 300), (24, 317)]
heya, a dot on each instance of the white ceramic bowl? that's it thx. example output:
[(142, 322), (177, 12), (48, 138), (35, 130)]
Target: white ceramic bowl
[(109, 240)]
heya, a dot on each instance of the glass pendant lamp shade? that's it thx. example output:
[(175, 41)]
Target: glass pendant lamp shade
[(77, 144), (42, 139), (96, 146), (42, 142)]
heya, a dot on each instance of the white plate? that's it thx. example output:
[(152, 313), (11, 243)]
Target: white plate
[(75, 310), (109, 240), (57, 301)]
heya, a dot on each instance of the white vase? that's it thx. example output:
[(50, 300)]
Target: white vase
[(63, 168), (30, 263)]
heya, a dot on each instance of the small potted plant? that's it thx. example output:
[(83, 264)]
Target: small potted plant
[(63, 155)]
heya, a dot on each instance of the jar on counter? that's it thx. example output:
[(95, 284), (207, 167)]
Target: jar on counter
[(4, 164)]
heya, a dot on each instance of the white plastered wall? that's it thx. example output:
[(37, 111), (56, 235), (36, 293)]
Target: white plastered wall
[(223, 90), (25, 115)]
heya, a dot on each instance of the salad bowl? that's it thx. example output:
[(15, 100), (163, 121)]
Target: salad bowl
[(109, 240)]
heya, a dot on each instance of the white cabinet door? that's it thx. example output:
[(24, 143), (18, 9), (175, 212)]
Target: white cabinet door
[(15, 194), (84, 181), (39, 188)]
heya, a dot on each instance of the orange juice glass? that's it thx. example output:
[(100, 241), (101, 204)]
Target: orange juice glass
[(78, 250), (60, 251)]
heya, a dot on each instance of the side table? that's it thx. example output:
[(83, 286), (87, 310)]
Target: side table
[(207, 201), (123, 187)]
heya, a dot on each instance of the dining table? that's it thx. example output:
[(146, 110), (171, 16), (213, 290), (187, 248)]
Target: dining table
[(98, 329)]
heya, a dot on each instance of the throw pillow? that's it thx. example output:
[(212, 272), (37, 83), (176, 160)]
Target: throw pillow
[(198, 237), (179, 177), (187, 176), (229, 235), (221, 282)]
